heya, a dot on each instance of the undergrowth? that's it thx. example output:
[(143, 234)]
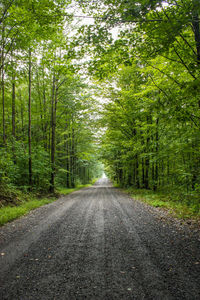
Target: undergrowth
[(181, 206), (14, 203), (66, 191)]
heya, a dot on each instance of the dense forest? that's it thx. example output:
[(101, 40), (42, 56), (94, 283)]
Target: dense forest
[(46, 107), (120, 88)]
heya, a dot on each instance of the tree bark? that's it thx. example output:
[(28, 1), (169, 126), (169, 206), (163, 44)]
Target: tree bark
[(53, 127), (73, 160), (22, 113), (196, 30), (3, 83), (137, 179), (29, 123), (44, 113), (68, 159), (13, 105), (156, 164)]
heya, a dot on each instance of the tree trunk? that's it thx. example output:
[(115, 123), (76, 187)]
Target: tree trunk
[(13, 114), (146, 173), (3, 105), (53, 127), (29, 123), (156, 164), (13, 105), (44, 114), (196, 30), (143, 173), (21, 113), (137, 179), (68, 159), (3, 84), (73, 160), (40, 103)]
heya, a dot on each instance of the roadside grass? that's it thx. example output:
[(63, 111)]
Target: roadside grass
[(10, 213), (66, 191), (24, 205), (179, 206)]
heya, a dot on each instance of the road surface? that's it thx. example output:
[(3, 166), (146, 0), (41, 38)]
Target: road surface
[(98, 243)]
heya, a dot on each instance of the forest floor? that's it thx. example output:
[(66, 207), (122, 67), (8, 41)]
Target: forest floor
[(98, 243)]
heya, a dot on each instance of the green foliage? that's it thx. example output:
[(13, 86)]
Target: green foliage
[(150, 72), (14, 166), (38, 59)]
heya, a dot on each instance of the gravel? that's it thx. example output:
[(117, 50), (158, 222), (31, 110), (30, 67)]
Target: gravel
[(98, 243)]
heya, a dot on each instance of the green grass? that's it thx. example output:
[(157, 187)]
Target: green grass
[(10, 213), (179, 207), (23, 207), (66, 191)]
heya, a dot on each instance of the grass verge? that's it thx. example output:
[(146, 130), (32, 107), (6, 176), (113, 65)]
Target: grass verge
[(24, 206), (178, 207), (66, 191), (10, 213)]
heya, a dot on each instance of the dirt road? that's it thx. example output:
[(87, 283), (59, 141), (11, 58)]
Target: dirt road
[(97, 243)]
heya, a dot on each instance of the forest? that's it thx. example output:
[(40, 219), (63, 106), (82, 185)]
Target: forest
[(109, 85)]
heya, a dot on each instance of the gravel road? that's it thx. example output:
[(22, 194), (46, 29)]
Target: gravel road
[(98, 243)]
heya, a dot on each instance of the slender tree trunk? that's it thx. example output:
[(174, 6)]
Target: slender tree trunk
[(147, 173), (22, 113), (153, 175), (40, 102), (68, 159), (29, 122), (73, 160), (147, 161), (137, 179), (3, 105), (13, 105), (163, 172), (196, 30), (143, 173), (3, 83), (69, 155), (45, 135), (156, 164), (53, 127), (13, 114), (67, 166)]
